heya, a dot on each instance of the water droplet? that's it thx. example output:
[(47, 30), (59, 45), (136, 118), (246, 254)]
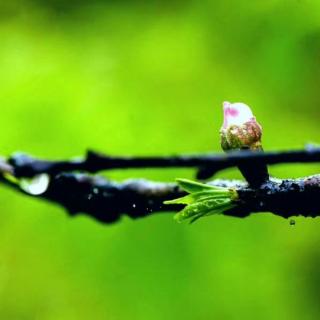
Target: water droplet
[(90, 196), (37, 185), (292, 222), (95, 190), (134, 205)]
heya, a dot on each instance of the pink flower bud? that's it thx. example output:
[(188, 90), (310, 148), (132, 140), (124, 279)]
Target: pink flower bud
[(240, 129), (236, 114)]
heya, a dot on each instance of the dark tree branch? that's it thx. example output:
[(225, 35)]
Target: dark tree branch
[(107, 201), (26, 166)]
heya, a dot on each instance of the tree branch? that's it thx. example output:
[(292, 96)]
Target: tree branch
[(107, 201), (26, 166)]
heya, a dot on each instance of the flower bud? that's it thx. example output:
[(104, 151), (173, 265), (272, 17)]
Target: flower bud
[(240, 130)]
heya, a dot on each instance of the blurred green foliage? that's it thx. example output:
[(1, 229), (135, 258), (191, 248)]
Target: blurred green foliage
[(147, 78)]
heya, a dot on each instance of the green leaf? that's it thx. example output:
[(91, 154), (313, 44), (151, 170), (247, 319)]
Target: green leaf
[(197, 196), (203, 200), (204, 208), (193, 186)]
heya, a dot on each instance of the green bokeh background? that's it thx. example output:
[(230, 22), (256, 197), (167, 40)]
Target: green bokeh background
[(148, 78)]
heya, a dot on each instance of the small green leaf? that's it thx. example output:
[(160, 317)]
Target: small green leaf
[(197, 196), (193, 186), (203, 200)]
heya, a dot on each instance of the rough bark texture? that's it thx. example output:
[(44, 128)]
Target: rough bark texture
[(107, 201)]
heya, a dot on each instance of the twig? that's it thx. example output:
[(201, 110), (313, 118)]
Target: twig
[(26, 166), (107, 201)]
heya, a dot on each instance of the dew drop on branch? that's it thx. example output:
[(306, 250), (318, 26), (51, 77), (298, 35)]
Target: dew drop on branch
[(36, 185)]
